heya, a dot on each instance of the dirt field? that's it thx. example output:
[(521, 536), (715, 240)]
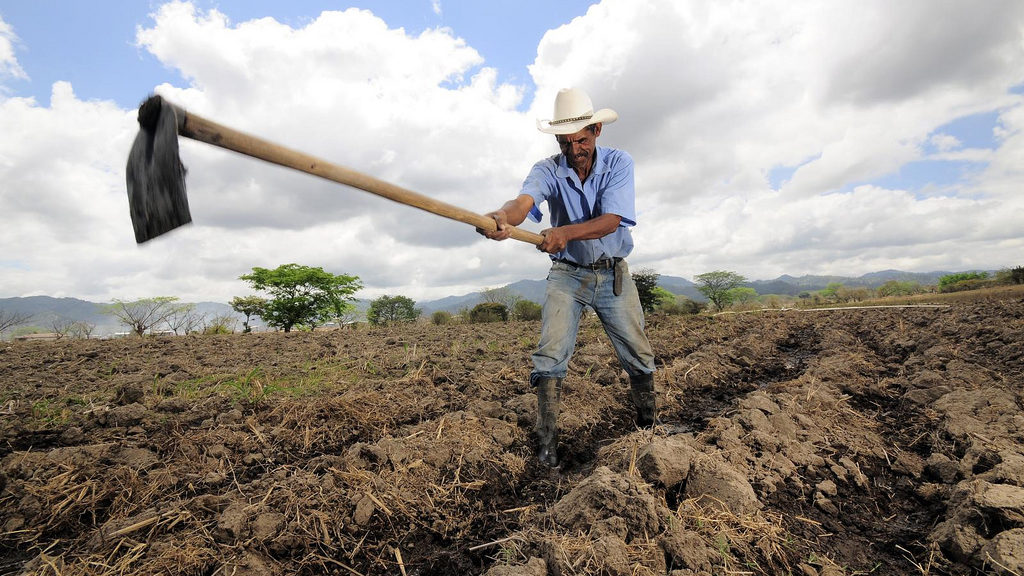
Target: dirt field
[(877, 441)]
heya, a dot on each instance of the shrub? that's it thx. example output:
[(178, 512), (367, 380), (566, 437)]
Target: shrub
[(1010, 275), (680, 305), (441, 317), (488, 312), (962, 281), (526, 310)]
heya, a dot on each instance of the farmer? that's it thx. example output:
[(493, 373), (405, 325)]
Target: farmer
[(589, 192)]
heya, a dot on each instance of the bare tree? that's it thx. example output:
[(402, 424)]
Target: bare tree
[(221, 324), (142, 315), (61, 325), (184, 319), (12, 319), (81, 330), (504, 296)]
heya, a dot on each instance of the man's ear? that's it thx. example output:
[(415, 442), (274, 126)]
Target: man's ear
[(597, 129)]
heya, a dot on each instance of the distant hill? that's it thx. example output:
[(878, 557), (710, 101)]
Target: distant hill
[(45, 309), (783, 285), (793, 286)]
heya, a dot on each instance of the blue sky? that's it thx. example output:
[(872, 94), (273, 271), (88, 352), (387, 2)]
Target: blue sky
[(769, 138), (92, 44), (974, 131)]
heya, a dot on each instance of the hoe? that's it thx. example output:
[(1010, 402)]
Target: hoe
[(156, 176)]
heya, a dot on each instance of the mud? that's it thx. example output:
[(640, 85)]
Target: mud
[(878, 441)]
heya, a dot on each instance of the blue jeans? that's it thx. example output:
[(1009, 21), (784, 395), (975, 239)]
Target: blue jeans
[(569, 289)]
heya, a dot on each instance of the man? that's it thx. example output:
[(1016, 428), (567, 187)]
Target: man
[(589, 192)]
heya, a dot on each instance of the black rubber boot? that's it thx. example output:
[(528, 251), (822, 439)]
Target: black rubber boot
[(641, 392), (549, 394)]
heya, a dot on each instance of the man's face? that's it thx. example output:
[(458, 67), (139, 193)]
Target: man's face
[(578, 148)]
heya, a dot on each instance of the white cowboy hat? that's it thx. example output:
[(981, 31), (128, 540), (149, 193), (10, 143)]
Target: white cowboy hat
[(574, 112)]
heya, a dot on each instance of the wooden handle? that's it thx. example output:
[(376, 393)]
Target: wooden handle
[(203, 130)]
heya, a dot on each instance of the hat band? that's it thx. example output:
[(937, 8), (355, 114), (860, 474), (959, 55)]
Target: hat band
[(568, 120)]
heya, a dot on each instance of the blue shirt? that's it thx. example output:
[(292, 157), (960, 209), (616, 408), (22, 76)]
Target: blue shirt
[(608, 190)]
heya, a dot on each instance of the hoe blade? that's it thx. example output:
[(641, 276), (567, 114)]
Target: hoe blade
[(155, 174)]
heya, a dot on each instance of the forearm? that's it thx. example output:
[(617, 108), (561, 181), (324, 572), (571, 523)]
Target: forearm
[(555, 239), (511, 214), (516, 209), (593, 229)]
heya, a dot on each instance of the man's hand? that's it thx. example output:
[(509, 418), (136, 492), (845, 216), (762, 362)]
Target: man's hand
[(503, 230), (555, 240)]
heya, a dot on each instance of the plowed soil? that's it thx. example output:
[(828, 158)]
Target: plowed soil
[(868, 441)]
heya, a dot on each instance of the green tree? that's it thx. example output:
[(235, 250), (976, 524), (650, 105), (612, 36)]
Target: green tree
[(302, 295), (961, 281), (248, 306), (1017, 275), (392, 310), (646, 280), (831, 291), (675, 304), (899, 288), (662, 298), (717, 286), (742, 294), (140, 316)]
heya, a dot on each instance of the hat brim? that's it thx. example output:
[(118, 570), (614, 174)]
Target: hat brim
[(603, 116)]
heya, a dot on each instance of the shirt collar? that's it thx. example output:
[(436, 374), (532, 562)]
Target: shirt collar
[(564, 170)]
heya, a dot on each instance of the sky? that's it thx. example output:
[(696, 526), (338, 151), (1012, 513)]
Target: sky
[(769, 138)]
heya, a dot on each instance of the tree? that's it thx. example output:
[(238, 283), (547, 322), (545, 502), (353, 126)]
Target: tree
[(392, 310), (184, 319), (831, 291), (504, 296), (302, 295), (12, 319), (81, 330), (1017, 275), (662, 297), (248, 306), (717, 286), (646, 280), (140, 316), (742, 294), (962, 281), (899, 288), (220, 324), (61, 325)]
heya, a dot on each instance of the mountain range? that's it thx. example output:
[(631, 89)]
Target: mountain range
[(784, 285), (45, 310)]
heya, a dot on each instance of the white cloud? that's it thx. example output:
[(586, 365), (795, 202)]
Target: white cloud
[(8, 61), (945, 142), (712, 96)]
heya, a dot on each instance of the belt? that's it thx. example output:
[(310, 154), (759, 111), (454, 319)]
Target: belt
[(602, 264)]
